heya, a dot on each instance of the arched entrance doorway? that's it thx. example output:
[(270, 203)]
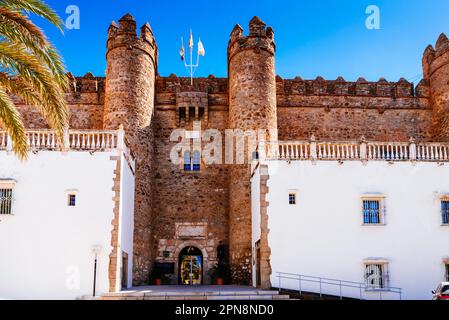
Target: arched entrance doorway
[(190, 266)]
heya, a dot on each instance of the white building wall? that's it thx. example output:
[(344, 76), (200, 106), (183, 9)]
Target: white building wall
[(127, 216), (322, 235), (255, 219), (46, 246)]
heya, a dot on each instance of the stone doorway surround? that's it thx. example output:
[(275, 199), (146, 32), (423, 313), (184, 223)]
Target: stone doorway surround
[(189, 234)]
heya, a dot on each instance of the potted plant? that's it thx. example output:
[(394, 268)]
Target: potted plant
[(221, 273), (157, 278)]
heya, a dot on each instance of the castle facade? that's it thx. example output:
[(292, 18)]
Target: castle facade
[(197, 205)]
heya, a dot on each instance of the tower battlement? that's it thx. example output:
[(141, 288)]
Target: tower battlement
[(125, 35), (260, 38)]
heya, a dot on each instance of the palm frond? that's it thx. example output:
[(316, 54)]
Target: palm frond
[(12, 122), (17, 28), (18, 61), (37, 7)]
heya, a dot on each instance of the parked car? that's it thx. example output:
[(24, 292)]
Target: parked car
[(442, 292)]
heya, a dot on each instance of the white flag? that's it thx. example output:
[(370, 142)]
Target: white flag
[(201, 50), (191, 40), (182, 51)]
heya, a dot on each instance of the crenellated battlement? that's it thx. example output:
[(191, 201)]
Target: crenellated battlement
[(125, 35), (260, 38), (361, 87), (86, 84), (174, 83)]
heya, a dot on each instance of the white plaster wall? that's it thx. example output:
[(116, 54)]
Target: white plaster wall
[(127, 216), (46, 246), (323, 234), (255, 219)]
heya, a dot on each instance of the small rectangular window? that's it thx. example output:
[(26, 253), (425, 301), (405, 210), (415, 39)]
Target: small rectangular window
[(376, 276), (445, 212), (72, 200), (292, 198), (5, 200), (373, 212)]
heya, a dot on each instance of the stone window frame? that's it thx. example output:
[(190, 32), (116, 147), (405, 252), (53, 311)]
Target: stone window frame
[(444, 198), (381, 198), (8, 184), (385, 276)]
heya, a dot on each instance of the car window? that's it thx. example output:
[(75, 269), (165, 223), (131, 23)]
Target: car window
[(445, 290)]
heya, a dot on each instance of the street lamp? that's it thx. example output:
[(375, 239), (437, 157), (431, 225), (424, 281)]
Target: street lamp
[(96, 249)]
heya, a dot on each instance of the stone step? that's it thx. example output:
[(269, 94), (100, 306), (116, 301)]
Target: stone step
[(198, 297)]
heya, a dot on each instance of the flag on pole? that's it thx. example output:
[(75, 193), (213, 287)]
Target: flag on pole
[(191, 40), (201, 50), (182, 52)]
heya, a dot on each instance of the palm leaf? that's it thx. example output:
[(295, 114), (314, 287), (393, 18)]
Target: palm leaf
[(17, 60), (17, 28), (12, 122), (37, 7)]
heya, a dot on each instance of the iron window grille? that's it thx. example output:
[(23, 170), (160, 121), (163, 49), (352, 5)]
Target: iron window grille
[(445, 212), (72, 200), (373, 211), (376, 276), (292, 198), (5, 201)]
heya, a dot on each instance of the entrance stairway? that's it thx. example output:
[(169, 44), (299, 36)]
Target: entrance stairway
[(193, 293)]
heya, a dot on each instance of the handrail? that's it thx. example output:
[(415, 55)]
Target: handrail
[(353, 151), (334, 282), (74, 140)]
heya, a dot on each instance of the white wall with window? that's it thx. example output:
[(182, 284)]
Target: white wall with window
[(379, 222), (54, 209)]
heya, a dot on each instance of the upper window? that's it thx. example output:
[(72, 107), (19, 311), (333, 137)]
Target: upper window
[(71, 200), (5, 200), (192, 162), (447, 271), (373, 210), (376, 276), (445, 211), (292, 198)]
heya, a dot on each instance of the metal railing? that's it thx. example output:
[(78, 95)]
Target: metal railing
[(74, 140), (357, 151), (340, 285)]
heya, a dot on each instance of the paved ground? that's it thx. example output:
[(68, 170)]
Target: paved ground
[(205, 289)]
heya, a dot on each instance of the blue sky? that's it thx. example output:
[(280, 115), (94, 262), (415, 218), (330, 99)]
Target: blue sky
[(326, 38)]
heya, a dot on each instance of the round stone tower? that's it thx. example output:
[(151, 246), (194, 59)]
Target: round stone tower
[(252, 106), (129, 101), (436, 72)]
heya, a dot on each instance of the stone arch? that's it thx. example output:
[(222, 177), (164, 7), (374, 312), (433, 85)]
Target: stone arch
[(200, 246)]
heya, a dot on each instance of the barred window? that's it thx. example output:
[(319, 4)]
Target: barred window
[(373, 210), (445, 211), (376, 276), (72, 200), (5, 200), (292, 198)]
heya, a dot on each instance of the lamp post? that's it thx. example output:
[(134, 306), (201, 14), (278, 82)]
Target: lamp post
[(96, 251)]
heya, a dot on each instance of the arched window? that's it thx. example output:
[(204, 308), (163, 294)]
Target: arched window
[(187, 162), (196, 161)]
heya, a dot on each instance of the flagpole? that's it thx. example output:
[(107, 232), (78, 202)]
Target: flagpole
[(191, 59)]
